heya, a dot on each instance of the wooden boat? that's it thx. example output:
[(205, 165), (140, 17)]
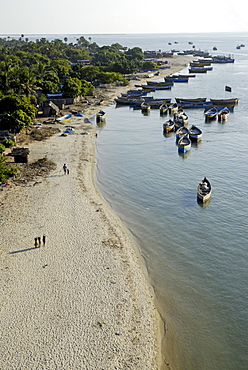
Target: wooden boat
[(145, 107), (173, 108), (225, 102), (222, 59), (65, 118), (189, 100), (223, 114), (211, 113), (159, 83), (195, 133), (163, 109), (156, 87), (181, 132), (200, 69), (184, 144), (183, 118), (204, 190), (100, 116), (176, 79), (228, 88), (168, 126)]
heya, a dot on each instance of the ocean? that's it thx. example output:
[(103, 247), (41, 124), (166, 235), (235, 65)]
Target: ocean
[(196, 256)]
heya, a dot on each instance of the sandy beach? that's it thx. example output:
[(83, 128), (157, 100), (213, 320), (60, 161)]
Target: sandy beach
[(82, 300)]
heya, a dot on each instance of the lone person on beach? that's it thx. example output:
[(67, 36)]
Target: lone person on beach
[(65, 168), (44, 239)]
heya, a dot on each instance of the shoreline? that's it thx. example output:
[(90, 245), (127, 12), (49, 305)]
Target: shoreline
[(87, 284)]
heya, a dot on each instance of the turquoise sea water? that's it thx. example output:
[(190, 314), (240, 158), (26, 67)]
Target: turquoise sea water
[(196, 256)]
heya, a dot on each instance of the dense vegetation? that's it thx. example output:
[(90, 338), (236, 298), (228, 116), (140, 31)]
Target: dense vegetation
[(30, 70)]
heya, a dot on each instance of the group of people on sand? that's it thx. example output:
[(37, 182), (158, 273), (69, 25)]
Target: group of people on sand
[(37, 241)]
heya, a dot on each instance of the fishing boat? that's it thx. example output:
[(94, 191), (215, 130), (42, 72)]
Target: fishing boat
[(100, 116), (182, 117), (173, 108), (184, 144), (176, 78), (168, 126), (181, 132), (189, 100), (159, 83), (156, 87), (223, 59), (225, 102), (65, 118), (145, 107), (195, 133), (200, 69), (163, 109), (204, 190), (211, 113), (223, 114)]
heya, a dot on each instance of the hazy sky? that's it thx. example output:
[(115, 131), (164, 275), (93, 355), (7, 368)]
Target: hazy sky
[(128, 16)]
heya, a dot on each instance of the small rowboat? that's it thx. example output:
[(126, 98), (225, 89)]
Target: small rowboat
[(181, 132), (65, 118), (145, 107), (173, 108), (211, 113), (204, 190), (163, 109), (100, 116), (184, 144), (223, 114), (195, 133), (168, 126)]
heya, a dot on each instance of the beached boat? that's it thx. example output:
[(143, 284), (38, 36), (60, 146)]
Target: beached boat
[(184, 144), (65, 118), (181, 132), (100, 116), (156, 87), (223, 114), (204, 190), (195, 133), (211, 113), (168, 126)]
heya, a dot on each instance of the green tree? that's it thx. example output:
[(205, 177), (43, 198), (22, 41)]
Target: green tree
[(72, 87), (15, 121)]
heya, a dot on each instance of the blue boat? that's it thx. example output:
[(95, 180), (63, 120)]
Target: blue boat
[(184, 144)]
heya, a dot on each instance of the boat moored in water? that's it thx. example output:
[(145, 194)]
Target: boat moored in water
[(211, 113), (195, 133), (223, 114), (100, 116), (204, 190), (168, 126), (184, 144)]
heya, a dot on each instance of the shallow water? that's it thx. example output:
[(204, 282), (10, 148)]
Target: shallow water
[(196, 256)]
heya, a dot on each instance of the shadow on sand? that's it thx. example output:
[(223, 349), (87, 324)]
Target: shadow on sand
[(24, 250)]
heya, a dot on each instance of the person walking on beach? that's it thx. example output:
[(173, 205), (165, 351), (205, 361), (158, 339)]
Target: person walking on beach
[(44, 239), (65, 168), (35, 242), (39, 240)]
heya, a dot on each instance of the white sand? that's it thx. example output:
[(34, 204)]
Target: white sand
[(81, 301)]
